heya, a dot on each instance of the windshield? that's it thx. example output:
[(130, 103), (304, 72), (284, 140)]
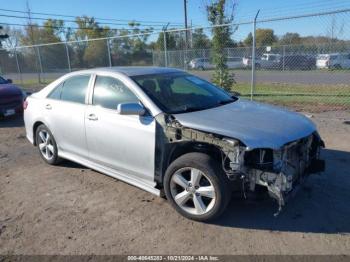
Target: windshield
[(180, 92)]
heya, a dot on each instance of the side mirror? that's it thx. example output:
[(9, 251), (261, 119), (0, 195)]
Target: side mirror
[(131, 109), (9, 81)]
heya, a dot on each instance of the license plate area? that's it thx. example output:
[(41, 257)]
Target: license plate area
[(9, 112)]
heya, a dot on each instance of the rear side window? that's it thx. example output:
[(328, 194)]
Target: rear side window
[(109, 92), (74, 89), (56, 93)]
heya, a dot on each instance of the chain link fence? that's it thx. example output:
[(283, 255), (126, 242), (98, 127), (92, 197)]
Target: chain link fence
[(302, 62)]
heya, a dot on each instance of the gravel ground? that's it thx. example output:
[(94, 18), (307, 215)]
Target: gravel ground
[(69, 209)]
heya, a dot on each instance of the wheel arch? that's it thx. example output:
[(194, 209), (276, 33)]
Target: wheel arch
[(35, 127), (179, 149)]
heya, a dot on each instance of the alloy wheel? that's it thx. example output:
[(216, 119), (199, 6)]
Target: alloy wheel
[(46, 145), (192, 191)]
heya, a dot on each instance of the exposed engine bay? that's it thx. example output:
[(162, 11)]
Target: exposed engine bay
[(281, 170)]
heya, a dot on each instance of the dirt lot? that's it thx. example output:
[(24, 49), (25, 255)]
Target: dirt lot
[(70, 209)]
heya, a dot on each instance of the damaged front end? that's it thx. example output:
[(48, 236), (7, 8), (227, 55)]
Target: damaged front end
[(280, 171)]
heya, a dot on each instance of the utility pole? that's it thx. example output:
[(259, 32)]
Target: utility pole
[(186, 26), (165, 45), (32, 40), (186, 34), (252, 87)]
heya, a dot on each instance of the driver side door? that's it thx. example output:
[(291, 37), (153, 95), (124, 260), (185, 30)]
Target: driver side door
[(124, 143)]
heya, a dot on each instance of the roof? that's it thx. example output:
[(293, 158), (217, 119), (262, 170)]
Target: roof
[(134, 70)]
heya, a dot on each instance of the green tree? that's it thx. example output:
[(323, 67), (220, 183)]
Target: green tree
[(131, 48), (248, 41), (200, 40), (170, 41), (263, 37), (89, 53), (290, 39), (217, 15), (45, 56)]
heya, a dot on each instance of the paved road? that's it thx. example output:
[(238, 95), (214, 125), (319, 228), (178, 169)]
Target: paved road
[(244, 76)]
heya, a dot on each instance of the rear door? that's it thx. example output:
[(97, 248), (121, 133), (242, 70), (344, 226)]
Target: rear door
[(125, 143), (64, 113)]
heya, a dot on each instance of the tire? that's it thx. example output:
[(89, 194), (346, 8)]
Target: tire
[(201, 199), (202, 68), (257, 66), (47, 146)]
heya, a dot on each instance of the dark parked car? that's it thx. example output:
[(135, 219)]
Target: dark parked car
[(11, 98), (297, 62)]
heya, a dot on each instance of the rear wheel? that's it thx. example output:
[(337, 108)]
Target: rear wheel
[(47, 145), (197, 187)]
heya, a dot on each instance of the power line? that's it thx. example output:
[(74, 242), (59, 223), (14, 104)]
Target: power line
[(97, 18), (68, 27), (71, 21)]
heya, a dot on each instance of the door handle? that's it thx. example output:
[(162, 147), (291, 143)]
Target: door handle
[(92, 117), (48, 107)]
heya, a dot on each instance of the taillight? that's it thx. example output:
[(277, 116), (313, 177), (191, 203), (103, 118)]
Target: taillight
[(25, 104)]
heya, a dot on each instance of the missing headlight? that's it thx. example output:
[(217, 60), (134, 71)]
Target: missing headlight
[(261, 159)]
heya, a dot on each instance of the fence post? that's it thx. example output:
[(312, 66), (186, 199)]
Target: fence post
[(40, 64), (68, 58), (18, 67), (283, 53), (109, 53), (153, 58), (165, 49), (252, 86)]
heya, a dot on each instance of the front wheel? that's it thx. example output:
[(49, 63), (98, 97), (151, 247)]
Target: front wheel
[(197, 187), (47, 145)]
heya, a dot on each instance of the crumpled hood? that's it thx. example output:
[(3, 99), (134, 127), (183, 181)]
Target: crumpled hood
[(256, 125), (9, 90)]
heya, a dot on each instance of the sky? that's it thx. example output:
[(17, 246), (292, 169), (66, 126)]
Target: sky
[(164, 11)]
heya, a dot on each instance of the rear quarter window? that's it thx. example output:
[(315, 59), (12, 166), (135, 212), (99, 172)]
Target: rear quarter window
[(56, 92), (74, 89)]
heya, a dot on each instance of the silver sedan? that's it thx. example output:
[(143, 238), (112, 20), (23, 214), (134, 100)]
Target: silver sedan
[(173, 134)]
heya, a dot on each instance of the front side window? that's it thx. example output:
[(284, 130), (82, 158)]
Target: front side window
[(181, 92), (110, 92), (74, 89)]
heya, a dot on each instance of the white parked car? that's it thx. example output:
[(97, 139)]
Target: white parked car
[(201, 63), (333, 61), (167, 131), (266, 61), (205, 63), (269, 61)]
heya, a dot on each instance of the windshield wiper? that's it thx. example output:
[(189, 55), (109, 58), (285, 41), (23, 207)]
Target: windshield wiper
[(189, 109)]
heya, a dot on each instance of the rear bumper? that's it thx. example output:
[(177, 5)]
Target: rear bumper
[(6, 110)]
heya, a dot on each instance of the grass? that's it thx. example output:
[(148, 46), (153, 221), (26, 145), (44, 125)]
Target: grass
[(297, 96), (302, 97)]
